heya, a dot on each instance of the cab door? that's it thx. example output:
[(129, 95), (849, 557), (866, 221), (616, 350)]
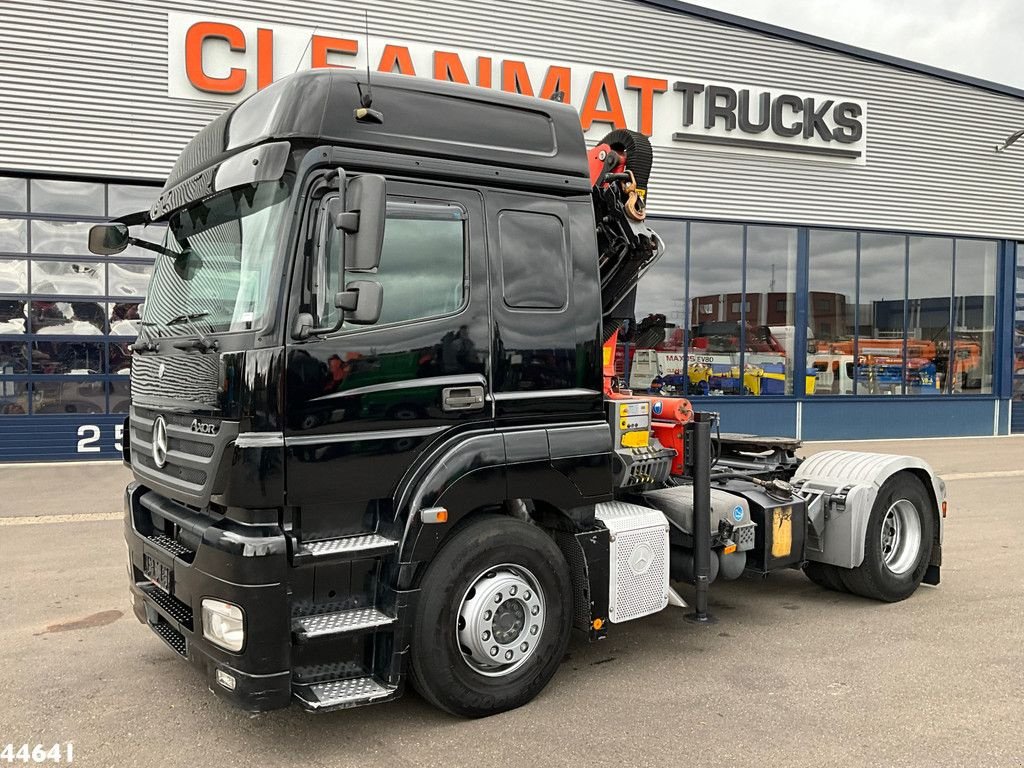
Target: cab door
[(362, 403)]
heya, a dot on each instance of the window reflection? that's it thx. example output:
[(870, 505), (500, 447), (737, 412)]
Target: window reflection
[(13, 194), (67, 197), (60, 237), (13, 398), (13, 276), (73, 318), (80, 358), (120, 396), (119, 359), (13, 357), (123, 199), (930, 283), (770, 307), (13, 235), (656, 344), (879, 353), (124, 319), (68, 397), (832, 310), (12, 316), (974, 317), (128, 279), (68, 278)]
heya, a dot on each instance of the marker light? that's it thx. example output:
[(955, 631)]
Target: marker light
[(223, 624), (225, 680)]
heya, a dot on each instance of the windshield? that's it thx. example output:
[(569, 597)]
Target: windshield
[(220, 277)]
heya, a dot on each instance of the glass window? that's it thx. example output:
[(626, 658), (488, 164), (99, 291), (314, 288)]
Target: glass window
[(716, 281), (770, 307), (13, 357), (68, 318), (832, 310), (120, 395), (119, 358), (12, 316), (128, 279), (13, 276), (13, 194), (880, 360), (13, 235), (69, 397), (123, 199), (71, 198), (72, 278), (13, 398), (423, 262), (61, 237), (533, 260), (930, 282), (974, 317), (657, 347), (81, 358), (124, 318)]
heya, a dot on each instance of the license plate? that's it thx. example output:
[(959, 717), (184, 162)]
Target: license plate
[(157, 572)]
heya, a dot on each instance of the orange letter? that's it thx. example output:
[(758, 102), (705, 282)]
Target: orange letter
[(325, 45), (647, 87), (483, 71), (557, 79), (396, 54), (515, 78), (602, 84), (264, 57), (194, 39), (448, 66)]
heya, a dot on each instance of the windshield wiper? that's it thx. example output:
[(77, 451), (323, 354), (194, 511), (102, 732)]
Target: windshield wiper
[(201, 342)]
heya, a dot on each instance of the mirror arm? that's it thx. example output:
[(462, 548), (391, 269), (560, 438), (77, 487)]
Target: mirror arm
[(155, 247)]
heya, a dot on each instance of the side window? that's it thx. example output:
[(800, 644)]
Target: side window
[(422, 268), (534, 259)]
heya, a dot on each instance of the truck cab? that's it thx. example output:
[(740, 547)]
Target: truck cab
[(370, 433)]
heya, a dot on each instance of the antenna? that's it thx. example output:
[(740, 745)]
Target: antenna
[(363, 113), (298, 62)]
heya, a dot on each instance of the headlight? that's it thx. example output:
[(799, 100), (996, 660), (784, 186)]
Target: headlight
[(223, 624)]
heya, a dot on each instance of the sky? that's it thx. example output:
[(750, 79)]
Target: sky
[(980, 38)]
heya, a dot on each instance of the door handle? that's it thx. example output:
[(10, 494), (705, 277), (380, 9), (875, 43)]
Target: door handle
[(462, 398)]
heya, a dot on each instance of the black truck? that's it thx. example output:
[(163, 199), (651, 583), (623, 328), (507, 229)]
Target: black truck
[(370, 431)]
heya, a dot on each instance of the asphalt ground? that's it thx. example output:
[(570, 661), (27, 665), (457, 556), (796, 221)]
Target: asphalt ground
[(788, 674)]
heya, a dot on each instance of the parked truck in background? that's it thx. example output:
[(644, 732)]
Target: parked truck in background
[(371, 435)]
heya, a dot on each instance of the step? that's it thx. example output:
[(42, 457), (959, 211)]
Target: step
[(339, 694), (339, 622), (356, 547)]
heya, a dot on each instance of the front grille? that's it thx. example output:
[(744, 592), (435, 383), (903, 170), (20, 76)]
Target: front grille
[(172, 637), (192, 457), (176, 609)]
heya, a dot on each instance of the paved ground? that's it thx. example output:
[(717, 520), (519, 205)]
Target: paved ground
[(789, 675)]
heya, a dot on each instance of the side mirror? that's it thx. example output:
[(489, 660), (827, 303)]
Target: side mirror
[(361, 301), (362, 221), (107, 239)]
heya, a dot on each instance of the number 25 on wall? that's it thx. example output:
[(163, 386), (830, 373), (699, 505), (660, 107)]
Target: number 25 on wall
[(89, 437)]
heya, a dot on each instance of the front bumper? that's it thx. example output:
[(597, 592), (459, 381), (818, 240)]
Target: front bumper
[(201, 556)]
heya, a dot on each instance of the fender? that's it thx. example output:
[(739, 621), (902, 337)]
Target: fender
[(856, 478), (478, 469)]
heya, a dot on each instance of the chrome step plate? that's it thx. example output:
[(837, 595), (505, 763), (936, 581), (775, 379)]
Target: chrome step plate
[(338, 694), (340, 622), (351, 546)]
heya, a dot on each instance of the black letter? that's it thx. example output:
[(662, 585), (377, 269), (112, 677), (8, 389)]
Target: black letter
[(845, 115), (763, 116), (814, 120), (713, 110), (786, 100), (689, 90)]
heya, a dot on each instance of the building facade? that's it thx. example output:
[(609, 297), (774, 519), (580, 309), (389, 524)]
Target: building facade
[(841, 236)]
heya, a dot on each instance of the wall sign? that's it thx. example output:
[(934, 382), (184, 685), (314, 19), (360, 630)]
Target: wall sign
[(224, 60)]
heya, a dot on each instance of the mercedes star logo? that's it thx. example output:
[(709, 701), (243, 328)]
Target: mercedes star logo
[(160, 442)]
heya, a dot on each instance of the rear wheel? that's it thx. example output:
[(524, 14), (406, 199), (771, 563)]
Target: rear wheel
[(493, 620), (824, 575), (898, 542)]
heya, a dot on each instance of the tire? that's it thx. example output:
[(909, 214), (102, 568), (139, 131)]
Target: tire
[(894, 574), (824, 575), (491, 553)]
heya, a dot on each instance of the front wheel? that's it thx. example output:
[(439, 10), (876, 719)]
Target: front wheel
[(493, 619), (898, 542)]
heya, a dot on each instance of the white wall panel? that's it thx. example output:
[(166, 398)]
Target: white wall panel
[(83, 90)]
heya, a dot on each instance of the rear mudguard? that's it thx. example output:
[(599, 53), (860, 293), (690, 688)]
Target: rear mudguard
[(848, 483)]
